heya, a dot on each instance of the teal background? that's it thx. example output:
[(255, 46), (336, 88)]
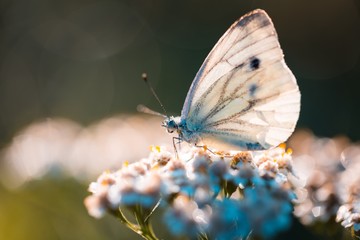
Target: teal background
[(83, 60)]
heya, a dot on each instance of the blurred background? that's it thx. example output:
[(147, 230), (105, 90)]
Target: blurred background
[(70, 81)]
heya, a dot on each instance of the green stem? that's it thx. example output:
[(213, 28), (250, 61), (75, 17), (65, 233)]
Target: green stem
[(143, 228), (202, 236), (121, 217), (144, 223)]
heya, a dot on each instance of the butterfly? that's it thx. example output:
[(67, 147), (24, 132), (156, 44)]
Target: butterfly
[(244, 96)]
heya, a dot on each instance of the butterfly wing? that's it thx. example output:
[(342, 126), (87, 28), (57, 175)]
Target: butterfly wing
[(244, 96)]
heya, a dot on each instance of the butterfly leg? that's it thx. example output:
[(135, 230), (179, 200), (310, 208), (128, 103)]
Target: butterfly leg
[(176, 140), (205, 148)]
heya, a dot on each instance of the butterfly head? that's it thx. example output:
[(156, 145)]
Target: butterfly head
[(171, 124)]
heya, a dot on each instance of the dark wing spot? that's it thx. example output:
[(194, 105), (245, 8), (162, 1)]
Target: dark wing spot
[(254, 63), (252, 89)]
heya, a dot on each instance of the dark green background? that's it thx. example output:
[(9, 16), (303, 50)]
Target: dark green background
[(83, 60)]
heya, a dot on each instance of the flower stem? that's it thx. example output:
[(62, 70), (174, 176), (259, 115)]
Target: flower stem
[(144, 223), (202, 236), (121, 217), (143, 228)]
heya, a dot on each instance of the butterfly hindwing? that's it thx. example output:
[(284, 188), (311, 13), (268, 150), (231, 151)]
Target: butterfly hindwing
[(244, 95)]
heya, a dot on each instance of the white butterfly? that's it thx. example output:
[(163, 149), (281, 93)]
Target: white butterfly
[(244, 95)]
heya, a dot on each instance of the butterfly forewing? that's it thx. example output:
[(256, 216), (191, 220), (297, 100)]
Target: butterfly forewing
[(244, 95)]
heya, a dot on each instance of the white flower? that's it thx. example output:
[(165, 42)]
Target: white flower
[(220, 195)]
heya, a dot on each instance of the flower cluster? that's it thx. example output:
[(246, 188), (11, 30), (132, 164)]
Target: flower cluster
[(203, 195), (331, 170)]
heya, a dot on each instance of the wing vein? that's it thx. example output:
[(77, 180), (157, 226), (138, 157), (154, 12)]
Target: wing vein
[(221, 102), (224, 54)]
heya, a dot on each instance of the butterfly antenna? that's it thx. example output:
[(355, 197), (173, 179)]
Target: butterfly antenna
[(145, 78), (144, 109)]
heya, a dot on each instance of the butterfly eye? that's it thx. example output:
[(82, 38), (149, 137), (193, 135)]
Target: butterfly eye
[(170, 125)]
